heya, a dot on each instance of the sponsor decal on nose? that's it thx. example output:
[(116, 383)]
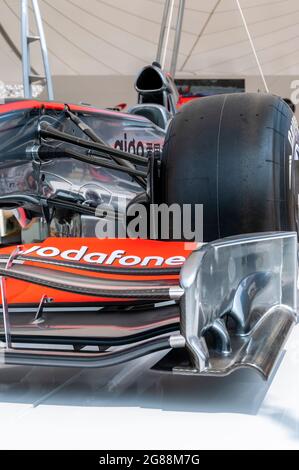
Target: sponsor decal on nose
[(117, 256)]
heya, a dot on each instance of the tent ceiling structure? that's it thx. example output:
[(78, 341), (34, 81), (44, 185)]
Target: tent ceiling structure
[(113, 37)]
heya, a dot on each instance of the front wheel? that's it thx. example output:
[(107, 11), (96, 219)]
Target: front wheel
[(235, 154)]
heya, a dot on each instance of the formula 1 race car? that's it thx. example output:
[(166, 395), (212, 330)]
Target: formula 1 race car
[(71, 297)]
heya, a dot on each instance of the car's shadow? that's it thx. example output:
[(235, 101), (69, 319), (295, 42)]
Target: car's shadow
[(133, 385)]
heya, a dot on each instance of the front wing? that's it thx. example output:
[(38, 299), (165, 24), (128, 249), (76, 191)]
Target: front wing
[(212, 308)]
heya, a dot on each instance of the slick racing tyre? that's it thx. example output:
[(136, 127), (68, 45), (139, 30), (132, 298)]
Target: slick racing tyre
[(237, 155)]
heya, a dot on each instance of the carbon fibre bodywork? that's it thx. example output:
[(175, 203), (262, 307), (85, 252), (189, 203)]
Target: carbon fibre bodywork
[(23, 172)]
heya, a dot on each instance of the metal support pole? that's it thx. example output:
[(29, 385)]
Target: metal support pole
[(26, 40), (43, 49), (177, 38), (168, 28), (162, 31), (25, 49)]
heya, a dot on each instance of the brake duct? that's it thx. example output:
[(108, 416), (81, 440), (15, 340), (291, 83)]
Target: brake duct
[(237, 302)]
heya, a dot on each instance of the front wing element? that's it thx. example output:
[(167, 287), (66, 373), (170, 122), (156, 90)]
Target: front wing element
[(239, 298)]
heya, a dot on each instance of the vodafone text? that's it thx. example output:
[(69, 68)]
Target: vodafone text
[(120, 256)]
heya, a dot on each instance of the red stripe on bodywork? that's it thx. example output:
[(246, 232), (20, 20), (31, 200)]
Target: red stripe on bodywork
[(35, 104)]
